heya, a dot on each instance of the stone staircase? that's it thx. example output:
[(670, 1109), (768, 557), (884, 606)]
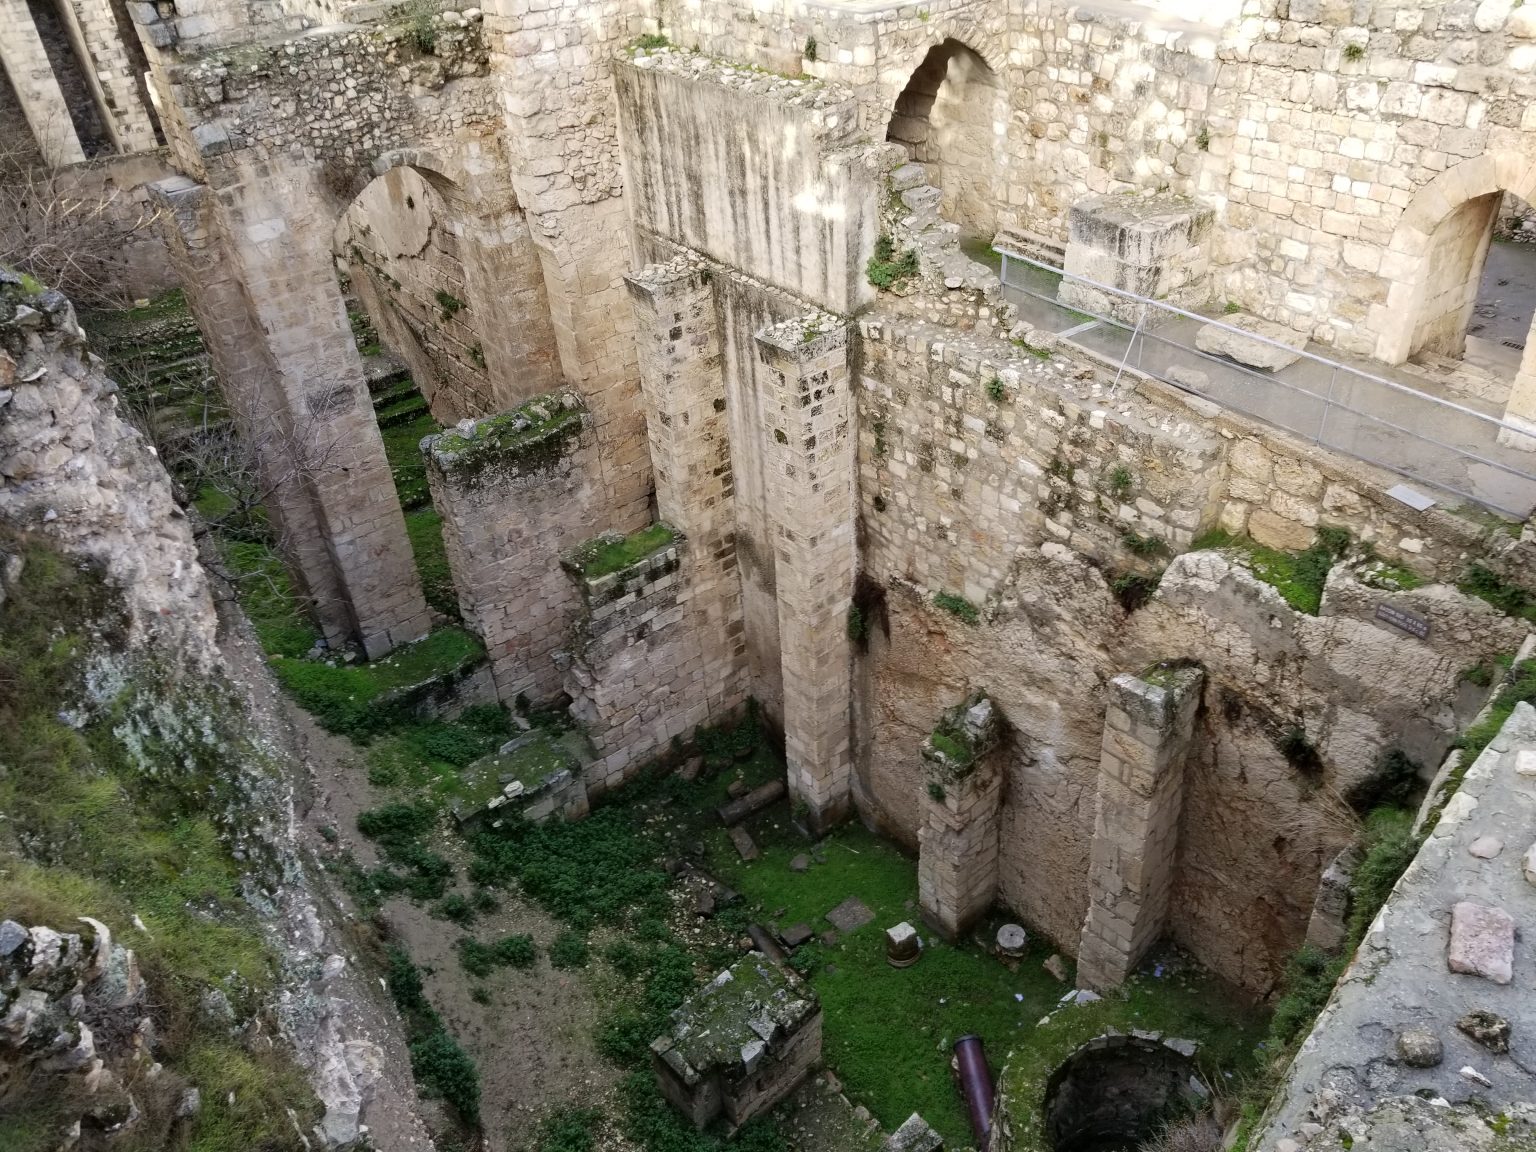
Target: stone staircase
[(936, 240)]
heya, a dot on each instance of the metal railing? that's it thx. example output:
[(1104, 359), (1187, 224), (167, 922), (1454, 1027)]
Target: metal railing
[(1439, 443)]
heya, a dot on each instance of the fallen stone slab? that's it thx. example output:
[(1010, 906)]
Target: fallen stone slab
[(746, 847), (795, 935), (1219, 340), (756, 800), (850, 914), (1482, 942)]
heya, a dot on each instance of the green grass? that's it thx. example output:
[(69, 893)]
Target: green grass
[(265, 591), (425, 528), (361, 699), (1299, 577), (1510, 599), (402, 447), (1521, 686), (99, 826), (888, 1033), (606, 555)]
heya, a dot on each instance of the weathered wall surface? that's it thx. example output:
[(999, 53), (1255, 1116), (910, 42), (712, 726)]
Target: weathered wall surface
[(1008, 495), (781, 195), (74, 472)]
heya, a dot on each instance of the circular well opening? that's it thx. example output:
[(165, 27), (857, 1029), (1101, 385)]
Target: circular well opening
[(1115, 1092)]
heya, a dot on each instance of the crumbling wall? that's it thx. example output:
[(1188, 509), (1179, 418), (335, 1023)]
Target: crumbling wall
[(76, 473)]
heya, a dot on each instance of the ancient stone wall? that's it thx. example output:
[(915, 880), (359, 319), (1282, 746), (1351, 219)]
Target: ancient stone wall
[(465, 310), (76, 473), (515, 491), (782, 196)]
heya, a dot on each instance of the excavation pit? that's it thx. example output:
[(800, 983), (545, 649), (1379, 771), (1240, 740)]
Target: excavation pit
[(1117, 1091)]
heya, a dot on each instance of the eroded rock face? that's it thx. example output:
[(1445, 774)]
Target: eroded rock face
[(73, 470), (72, 1022)]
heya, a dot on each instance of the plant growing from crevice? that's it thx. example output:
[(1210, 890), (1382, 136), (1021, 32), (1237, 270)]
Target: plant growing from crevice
[(1134, 590), (1354, 52), (957, 606), (1394, 781), (1300, 753), (1510, 599), (887, 267), (1034, 350), (1203, 138), (1144, 546), (650, 41), (450, 304), (881, 447), (1120, 481), (810, 49), (996, 392)]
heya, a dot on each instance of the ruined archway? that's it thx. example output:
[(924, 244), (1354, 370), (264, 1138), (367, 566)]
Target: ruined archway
[(1438, 253), (449, 276), (950, 118)]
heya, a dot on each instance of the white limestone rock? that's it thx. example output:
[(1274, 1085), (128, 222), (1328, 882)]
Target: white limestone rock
[(1277, 348)]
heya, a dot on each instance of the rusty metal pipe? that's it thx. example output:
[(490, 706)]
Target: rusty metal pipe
[(975, 1085)]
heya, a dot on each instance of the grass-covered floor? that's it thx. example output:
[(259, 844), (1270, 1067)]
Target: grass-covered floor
[(888, 1033)]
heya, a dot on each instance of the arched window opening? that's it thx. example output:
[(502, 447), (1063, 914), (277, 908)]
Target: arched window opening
[(947, 119)]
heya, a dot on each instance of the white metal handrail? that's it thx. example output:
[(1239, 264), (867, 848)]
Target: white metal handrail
[(1141, 333)]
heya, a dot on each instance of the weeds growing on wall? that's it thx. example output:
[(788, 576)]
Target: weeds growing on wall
[(1133, 590), (957, 606), (1510, 599), (887, 267), (1299, 577)]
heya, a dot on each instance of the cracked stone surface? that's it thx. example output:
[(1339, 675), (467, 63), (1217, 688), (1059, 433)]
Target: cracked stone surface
[(1354, 1071)]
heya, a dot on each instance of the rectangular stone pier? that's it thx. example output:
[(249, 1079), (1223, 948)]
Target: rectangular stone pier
[(1147, 732), (808, 454)]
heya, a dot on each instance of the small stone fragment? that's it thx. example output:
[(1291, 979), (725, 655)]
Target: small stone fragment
[(1528, 864), (1472, 1074), (1056, 966), (12, 937), (1419, 1048), (903, 946), (735, 788), (746, 847), (1525, 762), (1488, 1028), (1482, 942), (800, 863), (1486, 847)]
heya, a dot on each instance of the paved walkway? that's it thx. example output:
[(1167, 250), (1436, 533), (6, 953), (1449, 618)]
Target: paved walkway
[(1411, 431)]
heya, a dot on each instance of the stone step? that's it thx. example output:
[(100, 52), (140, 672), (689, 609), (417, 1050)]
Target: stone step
[(925, 198), (908, 176)]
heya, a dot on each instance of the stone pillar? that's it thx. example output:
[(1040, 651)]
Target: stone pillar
[(808, 460), (963, 789), (1147, 732), (37, 89), (514, 492), (259, 281), (635, 675), (1153, 246), (678, 342)]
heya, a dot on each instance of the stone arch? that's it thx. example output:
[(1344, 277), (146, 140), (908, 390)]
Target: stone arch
[(442, 261), (1437, 250), (949, 114)]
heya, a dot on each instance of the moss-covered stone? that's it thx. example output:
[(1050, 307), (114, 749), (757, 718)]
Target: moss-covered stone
[(531, 438), (964, 734)]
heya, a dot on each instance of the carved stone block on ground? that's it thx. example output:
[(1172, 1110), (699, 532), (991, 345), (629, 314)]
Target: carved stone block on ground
[(1277, 347)]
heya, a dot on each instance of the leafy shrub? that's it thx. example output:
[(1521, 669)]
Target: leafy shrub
[(1521, 686), (1133, 590), (1310, 975), (395, 826), (455, 907), (1390, 846), (1300, 752), (1120, 481), (569, 950), (1144, 546), (957, 606), (445, 1070), (996, 392), (886, 267), (652, 40), (569, 1130), (1510, 599), (509, 952), (1393, 782)]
